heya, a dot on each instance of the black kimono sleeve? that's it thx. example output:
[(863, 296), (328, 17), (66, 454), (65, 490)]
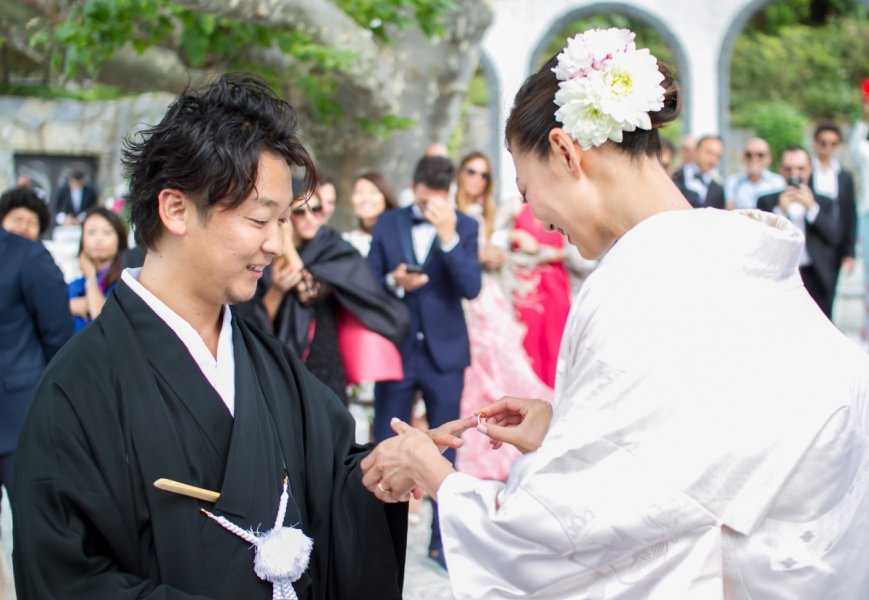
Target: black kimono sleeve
[(73, 502), (361, 544)]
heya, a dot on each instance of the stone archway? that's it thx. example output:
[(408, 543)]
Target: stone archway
[(496, 125), (693, 30)]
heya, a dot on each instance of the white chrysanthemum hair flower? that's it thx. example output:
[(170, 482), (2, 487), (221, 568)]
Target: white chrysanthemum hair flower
[(591, 51), (607, 86)]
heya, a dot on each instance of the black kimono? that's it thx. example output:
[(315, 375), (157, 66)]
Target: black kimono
[(124, 404)]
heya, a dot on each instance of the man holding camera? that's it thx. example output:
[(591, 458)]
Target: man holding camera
[(817, 217)]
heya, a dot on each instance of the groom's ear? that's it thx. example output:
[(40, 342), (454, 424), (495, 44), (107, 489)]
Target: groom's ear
[(565, 151)]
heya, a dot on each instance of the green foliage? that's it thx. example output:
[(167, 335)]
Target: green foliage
[(788, 13), (478, 90), (378, 15), (816, 69), (94, 30), (779, 123), (385, 126), (55, 92)]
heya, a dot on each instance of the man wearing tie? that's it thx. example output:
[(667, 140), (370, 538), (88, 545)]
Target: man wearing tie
[(426, 254)]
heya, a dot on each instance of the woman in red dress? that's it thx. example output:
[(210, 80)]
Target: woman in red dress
[(541, 291)]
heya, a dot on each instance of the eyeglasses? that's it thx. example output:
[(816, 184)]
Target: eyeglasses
[(474, 173), (301, 211), (750, 154)]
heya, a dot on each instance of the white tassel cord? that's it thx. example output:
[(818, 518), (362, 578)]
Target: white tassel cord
[(282, 553)]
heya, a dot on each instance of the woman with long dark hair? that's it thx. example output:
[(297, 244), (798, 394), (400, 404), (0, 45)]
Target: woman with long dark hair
[(371, 196), (708, 434), (499, 363), (100, 256)]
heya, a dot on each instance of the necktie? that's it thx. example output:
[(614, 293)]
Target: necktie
[(417, 221)]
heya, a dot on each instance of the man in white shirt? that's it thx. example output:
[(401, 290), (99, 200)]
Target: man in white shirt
[(831, 180), (427, 254), (699, 181), (742, 190)]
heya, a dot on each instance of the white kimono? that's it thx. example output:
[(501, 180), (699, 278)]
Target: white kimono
[(709, 437)]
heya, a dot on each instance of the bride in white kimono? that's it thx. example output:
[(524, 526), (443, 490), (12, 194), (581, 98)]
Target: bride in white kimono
[(709, 432)]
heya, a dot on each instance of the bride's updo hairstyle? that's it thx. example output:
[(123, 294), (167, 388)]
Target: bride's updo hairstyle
[(533, 116)]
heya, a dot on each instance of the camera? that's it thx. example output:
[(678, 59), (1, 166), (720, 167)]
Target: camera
[(795, 181)]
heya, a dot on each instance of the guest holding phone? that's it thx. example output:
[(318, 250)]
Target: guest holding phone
[(444, 242)]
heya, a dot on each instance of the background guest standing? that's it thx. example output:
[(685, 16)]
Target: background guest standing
[(100, 256), (73, 199), (24, 213), (34, 324), (431, 235), (541, 291), (499, 363)]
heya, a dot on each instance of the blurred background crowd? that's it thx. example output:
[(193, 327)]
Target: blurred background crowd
[(781, 126)]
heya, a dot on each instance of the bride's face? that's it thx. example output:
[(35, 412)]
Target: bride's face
[(562, 200)]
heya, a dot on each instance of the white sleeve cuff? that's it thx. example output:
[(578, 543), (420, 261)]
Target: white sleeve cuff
[(451, 245), (393, 286)]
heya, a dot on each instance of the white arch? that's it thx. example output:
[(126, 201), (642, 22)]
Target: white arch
[(695, 29), (634, 12)]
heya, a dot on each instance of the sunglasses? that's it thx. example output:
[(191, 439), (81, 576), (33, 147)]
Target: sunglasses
[(749, 154), (474, 173), (301, 211)]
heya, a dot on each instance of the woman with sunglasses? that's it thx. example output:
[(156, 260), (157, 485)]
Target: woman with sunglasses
[(306, 292), (708, 438), (499, 364)]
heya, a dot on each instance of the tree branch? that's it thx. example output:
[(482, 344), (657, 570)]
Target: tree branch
[(324, 22)]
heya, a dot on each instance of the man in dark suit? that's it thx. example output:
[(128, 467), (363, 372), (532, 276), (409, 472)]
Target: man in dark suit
[(698, 180), (831, 180), (74, 199), (817, 216), (426, 254), (34, 324)]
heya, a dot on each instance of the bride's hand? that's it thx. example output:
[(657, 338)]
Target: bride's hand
[(520, 422)]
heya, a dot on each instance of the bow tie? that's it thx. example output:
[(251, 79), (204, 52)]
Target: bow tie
[(418, 221)]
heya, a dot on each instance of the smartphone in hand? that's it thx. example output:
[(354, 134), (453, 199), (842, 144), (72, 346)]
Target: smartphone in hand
[(413, 268)]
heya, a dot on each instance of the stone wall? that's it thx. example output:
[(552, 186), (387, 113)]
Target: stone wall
[(74, 128)]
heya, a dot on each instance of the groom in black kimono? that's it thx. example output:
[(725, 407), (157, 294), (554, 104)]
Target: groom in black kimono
[(167, 383)]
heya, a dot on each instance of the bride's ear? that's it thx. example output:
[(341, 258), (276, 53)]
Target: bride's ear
[(565, 151)]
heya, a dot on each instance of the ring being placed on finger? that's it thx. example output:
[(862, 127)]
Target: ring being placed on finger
[(383, 489)]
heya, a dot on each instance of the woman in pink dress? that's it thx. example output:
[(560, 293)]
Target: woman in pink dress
[(499, 364), (541, 291)]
